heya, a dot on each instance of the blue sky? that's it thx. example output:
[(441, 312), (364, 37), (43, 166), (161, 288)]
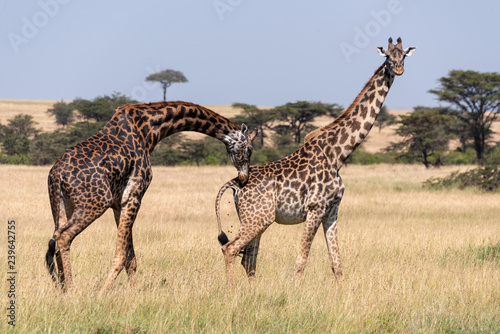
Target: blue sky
[(260, 52)]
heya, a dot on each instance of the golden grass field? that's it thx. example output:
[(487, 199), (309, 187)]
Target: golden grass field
[(414, 261)]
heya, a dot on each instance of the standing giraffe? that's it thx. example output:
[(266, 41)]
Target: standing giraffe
[(306, 185), (112, 169)]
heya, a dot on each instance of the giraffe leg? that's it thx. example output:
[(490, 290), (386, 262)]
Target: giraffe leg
[(330, 229), (249, 260), (230, 250), (60, 268), (64, 237), (130, 260), (124, 248), (64, 216), (310, 228), (63, 263), (131, 263)]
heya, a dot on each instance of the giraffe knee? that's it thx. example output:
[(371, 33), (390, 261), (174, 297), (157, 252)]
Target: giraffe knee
[(131, 264), (62, 245), (229, 253)]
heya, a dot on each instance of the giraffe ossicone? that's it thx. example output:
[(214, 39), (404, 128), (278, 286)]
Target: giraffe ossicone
[(306, 186), (112, 169)]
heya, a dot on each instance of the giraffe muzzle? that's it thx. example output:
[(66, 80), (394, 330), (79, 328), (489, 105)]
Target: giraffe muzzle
[(398, 70), (243, 178)]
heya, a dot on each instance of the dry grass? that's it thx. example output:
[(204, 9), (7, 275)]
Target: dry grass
[(412, 261)]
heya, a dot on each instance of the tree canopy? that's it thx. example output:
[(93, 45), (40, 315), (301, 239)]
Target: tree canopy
[(477, 96), (101, 108), (16, 136), (63, 113), (384, 118), (166, 78), (255, 117), (299, 115), (425, 134)]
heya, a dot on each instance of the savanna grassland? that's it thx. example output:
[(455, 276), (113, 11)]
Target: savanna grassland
[(414, 260)]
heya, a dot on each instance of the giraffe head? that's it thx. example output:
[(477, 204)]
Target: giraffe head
[(239, 147), (396, 56)]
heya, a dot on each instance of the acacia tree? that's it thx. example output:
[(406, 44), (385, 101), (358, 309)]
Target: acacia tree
[(17, 135), (425, 135), (166, 78), (458, 128), (477, 96), (299, 115), (101, 108), (63, 112), (384, 118), (255, 118)]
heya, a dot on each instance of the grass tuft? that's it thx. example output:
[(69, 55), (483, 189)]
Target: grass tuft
[(490, 252)]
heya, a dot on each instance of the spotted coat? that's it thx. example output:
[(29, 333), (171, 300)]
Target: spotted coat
[(306, 185), (112, 169)]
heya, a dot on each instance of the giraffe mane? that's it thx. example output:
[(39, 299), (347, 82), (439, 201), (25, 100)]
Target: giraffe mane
[(347, 112), (188, 104)]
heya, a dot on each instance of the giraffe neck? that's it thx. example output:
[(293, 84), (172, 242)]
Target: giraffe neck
[(343, 135), (155, 121)]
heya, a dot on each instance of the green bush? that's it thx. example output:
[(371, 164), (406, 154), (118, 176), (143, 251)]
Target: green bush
[(265, 155), (47, 147), (361, 157), (484, 178), (17, 159), (493, 156), (460, 158)]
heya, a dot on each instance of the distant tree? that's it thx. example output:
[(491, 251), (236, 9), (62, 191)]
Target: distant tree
[(425, 135), (167, 152), (206, 151), (91, 111), (194, 149), (254, 117), (101, 108), (166, 78), (299, 115), (47, 147), (80, 131), (17, 135), (384, 118), (118, 99), (459, 128), (477, 96), (63, 112)]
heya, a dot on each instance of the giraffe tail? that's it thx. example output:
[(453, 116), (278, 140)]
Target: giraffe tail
[(222, 237), (54, 194), (49, 258)]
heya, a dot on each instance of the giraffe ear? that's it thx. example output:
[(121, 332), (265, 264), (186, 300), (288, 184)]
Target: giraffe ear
[(244, 129), (381, 51), (409, 51)]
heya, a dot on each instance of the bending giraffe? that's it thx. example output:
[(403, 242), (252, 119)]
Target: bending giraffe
[(306, 185), (112, 169)]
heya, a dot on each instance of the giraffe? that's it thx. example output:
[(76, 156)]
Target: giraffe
[(306, 185), (112, 169)]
